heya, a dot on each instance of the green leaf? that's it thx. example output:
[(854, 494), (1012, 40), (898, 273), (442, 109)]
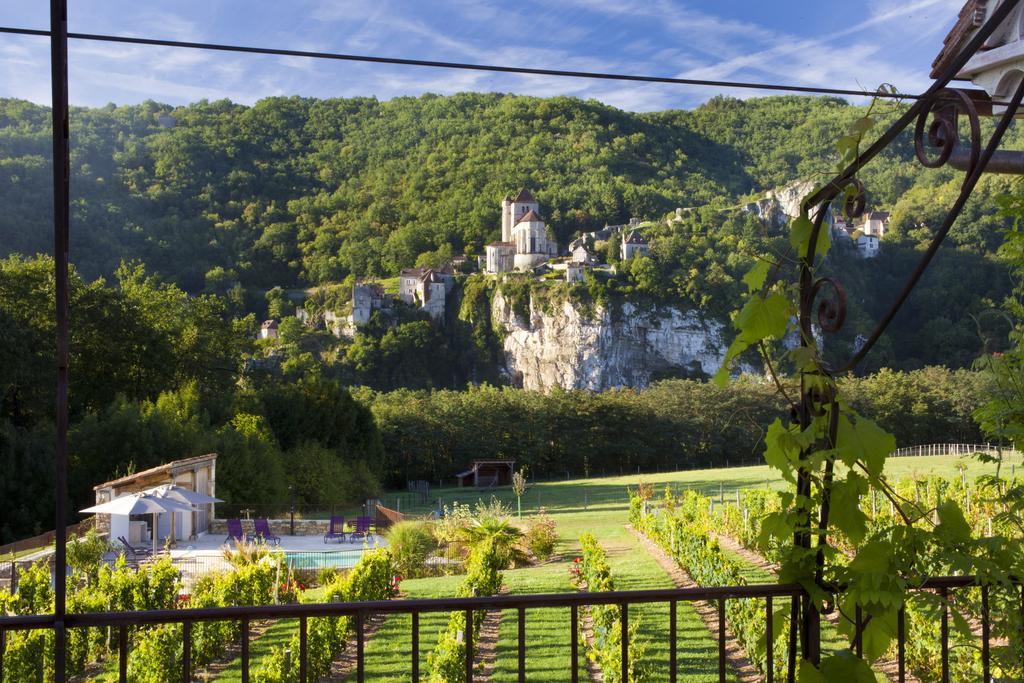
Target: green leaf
[(952, 524), (809, 674), (844, 666), (737, 347), (861, 126), (755, 277), (800, 236), (763, 318), (844, 511), (864, 441), (878, 633)]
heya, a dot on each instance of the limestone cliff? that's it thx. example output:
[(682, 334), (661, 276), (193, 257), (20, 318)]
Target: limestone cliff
[(575, 348)]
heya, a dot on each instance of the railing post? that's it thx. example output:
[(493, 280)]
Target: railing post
[(624, 645), (522, 644), (469, 645), (360, 647), (901, 643), (245, 651), (186, 652), (303, 645), (721, 640), (945, 634), (769, 640), (122, 653), (3, 649), (574, 644), (794, 629), (415, 647), (672, 665), (985, 654)]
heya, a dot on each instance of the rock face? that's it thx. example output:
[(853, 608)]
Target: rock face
[(597, 350), (779, 206)]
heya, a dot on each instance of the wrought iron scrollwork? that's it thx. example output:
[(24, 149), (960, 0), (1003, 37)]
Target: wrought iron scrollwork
[(831, 309), (943, 134)]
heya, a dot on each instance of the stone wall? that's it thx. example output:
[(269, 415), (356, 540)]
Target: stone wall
[(281, 527)]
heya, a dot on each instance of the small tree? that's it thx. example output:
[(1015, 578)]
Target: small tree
[(519, 488)]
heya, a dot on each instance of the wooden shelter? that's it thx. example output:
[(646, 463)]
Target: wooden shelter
[(487, 473)]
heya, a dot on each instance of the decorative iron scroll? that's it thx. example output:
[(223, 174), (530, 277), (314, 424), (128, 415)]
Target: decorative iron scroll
[(936, 120)]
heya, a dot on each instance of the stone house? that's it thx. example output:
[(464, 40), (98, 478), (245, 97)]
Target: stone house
[(876, 223), (583, 255), (867, 246), (366, 298), (575, 272), (268, 330), (197, 474), (500, 257), (634, 244), (427, 288)]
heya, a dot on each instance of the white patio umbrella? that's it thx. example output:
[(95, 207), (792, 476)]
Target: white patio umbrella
[(182, 495), (140, 504)]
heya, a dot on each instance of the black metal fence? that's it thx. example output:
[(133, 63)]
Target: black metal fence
[(361, 611)]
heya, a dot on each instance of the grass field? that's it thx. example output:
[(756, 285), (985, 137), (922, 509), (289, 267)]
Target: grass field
[(599, 506)]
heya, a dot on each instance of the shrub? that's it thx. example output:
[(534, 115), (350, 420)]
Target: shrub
[(491, 525), (410, 544), (85, 555), (541, 536), (156, 655)]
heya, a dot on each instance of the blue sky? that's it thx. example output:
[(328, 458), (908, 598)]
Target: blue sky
[(849, 44)]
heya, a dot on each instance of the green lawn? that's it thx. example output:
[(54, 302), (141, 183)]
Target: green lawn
[(608, 493)]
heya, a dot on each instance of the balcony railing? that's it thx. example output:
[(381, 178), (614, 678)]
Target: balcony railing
[(360, 611)]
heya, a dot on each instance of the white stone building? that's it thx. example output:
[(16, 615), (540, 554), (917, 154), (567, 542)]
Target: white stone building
[(268, 330), (522, 226), (876, 223), (575, 272), (366, 298), (583, 255), (867, 246), (634, 244), (500, 257), (427, 288)]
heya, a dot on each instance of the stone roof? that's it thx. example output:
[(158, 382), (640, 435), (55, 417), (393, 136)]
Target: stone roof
[(530, 216), (169, 467), (524, 197), (878, 215), (635, 238), (972, 15), (269, 325)]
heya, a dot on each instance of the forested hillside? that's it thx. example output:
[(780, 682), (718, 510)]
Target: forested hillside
[(295, 191)]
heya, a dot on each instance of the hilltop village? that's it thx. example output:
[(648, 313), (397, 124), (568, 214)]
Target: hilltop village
[(528, 246)]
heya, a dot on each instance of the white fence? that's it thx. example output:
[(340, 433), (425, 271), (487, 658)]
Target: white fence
[(954, 449)]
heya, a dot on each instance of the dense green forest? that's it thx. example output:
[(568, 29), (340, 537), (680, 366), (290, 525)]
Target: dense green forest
[(186, 231), (157, 375)]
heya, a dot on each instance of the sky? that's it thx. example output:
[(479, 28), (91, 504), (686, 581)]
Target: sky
[(824, 43)]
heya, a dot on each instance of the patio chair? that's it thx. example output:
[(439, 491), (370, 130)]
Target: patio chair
[(137, 552), (362, 530), (235, 531), (264, 533), (336, 529)]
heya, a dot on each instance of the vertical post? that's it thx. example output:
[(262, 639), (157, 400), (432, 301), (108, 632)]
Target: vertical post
[(672, 666), (522, 644), (901, 643), (3, 648), (469, 645), (945, 634), (769, 640), (794, 628), (303, 646), (624, 644), (721, 640), (360, 648), (245, 651), (574, 643), (985, 654), (186, 650), (61, 211), (122, 654), (415, 647)]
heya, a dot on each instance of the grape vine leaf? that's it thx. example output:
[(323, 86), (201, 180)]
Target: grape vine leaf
[(800, 236), (755, 277)]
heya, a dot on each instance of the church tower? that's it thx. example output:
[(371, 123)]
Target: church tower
[(506, 219)]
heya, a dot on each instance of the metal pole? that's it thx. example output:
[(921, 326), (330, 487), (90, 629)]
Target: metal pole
[(61, 190)]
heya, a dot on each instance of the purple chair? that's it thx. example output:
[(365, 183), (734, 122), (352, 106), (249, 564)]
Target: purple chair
[(336, 530), (362, 530), (235, 531), (264, 533)]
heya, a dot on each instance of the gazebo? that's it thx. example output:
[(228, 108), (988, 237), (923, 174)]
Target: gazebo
[(487, 473)]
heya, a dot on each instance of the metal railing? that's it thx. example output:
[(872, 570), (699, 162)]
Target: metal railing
[(360, 611)]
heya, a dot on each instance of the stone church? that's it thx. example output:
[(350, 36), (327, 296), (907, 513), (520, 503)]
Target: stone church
[(524, 236)]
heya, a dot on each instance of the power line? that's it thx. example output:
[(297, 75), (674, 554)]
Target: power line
[(777, 87)]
